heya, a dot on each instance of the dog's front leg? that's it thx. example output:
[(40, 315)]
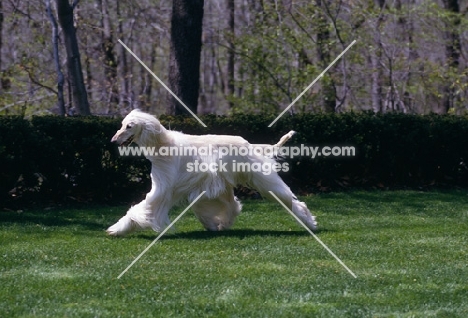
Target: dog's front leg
[(152, 214), (156, 211), (127, 224)]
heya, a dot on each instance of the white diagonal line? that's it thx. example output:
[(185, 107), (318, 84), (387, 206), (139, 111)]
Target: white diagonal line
[(312, 233), (162, 233), (311, 84), (162, 83)]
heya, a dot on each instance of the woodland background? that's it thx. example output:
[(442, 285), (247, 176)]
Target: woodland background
[(256, 56)]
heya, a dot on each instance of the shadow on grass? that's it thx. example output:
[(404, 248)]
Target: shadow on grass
[(99, 222), (52, 218), (240, 233)]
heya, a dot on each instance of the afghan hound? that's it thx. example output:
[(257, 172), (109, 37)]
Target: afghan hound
[(182, 176)]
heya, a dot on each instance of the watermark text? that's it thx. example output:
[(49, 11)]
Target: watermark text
[(232, 151)]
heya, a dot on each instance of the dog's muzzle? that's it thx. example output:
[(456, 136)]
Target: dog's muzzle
[(124, 143)]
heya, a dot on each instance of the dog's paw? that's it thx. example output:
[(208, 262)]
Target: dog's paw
[(313, 225), (122, 227), (113, 231)]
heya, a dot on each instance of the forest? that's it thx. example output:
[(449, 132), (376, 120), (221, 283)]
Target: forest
[(256, 56)]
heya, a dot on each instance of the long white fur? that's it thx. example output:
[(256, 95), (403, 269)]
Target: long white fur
[(172, 183)]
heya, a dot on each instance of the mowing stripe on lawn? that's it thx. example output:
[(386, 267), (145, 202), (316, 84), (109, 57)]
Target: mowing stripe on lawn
[(315, 236), (162, 233)]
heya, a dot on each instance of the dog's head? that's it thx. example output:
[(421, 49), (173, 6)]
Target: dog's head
[(137, 127)]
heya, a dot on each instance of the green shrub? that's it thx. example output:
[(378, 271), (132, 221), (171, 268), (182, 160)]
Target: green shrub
[(61, 159)]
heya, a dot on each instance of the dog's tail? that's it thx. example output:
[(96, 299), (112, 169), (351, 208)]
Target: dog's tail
[(272, 150), (284, 139)]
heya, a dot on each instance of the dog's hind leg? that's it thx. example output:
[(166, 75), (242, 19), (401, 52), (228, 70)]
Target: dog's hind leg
[(272, 182), (219, 213)]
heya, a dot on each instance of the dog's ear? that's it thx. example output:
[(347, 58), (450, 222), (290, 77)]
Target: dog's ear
[(150, 131)]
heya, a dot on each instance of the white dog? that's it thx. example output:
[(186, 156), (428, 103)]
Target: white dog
[(175, 179)]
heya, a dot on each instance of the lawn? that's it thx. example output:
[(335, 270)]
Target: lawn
[(407, 248)]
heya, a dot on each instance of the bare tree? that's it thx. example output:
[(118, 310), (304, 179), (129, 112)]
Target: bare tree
[(323, 50), (453, 49), (231, 52), (257, 55), (376, 61), (147, 85), (1, 40), (75, 73), (110, 60), (55, 48), (185, 50), (123, 69)]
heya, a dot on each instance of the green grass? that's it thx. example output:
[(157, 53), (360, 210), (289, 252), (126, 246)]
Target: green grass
[(408, 249)]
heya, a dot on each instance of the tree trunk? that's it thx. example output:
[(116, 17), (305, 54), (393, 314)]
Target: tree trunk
[(231, 55), (110, 61), (323, 50), (406, 24), (149, 78), (60, 78), (89, 71), (147, 81), (376, 78), (1, 42), (123, 68), (185, 50), (75, 72), (376, 61), (453, 49)]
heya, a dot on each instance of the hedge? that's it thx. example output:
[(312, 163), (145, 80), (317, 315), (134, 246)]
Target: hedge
[(57, 159)]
